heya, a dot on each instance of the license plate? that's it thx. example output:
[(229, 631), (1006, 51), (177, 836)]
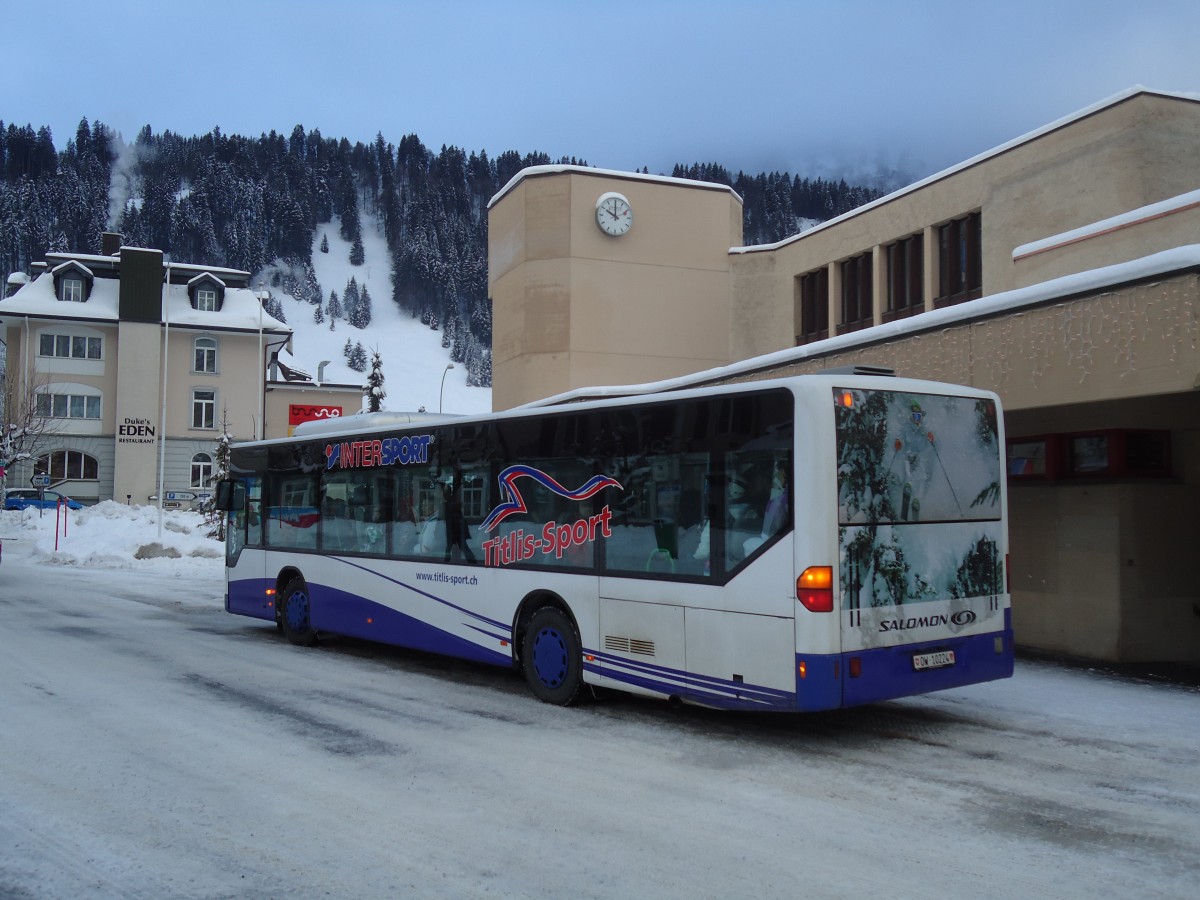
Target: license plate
[(933, 660)]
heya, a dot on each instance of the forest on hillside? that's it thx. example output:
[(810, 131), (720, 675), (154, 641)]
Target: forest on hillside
[(255, 203)]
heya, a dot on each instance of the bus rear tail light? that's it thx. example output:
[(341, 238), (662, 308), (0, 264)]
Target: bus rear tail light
[(854, 669), (814, 588)]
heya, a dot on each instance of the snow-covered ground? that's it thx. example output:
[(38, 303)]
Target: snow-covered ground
[(153, 746), (414, 360)]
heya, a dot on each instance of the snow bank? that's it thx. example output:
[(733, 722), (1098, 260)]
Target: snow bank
[(111, 535)]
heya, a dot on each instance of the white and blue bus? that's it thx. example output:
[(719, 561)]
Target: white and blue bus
[(804, 543)]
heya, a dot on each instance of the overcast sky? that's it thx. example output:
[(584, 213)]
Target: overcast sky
[(809, 86)]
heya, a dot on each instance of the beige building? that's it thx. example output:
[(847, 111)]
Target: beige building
[(137, 364), (1061, 270), (593, 273)]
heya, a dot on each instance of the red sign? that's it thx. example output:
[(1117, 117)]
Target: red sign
[(301, 412)]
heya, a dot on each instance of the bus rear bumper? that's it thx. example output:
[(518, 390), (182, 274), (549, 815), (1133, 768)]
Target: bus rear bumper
[(886, 673), (890, 672)]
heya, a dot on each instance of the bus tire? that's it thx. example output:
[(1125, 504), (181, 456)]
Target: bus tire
[(552, 659), (294, 614)]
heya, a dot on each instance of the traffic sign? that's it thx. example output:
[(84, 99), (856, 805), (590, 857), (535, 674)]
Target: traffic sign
[(40, 481), (180, 495)]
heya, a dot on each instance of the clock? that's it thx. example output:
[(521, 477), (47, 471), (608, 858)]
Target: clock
[(613, 214)]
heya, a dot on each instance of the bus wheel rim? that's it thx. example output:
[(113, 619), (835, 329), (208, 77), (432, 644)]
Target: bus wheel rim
[(297, 611), (550, 657)]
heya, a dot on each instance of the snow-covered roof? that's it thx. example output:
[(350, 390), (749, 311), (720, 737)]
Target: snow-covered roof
[(533, 171), (973, 161), (206, 276), (242, 309), (1190, 200), (73, 264), (1091, 281)]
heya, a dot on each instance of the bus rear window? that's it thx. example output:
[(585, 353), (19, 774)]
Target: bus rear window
[(906, 458)]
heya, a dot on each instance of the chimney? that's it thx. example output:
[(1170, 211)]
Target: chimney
[(110, 243)]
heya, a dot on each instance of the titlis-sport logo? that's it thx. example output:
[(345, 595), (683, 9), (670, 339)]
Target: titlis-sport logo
[(960, 619)]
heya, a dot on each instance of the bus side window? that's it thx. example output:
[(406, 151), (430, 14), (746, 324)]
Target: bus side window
[(254, 528)]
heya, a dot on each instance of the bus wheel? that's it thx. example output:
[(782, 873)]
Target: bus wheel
[(552, 660), (294, 615)]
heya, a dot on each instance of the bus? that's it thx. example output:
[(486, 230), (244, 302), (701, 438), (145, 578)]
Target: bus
[(802, 543)]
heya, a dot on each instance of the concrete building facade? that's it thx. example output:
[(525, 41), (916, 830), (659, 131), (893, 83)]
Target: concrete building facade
[(573, 303)]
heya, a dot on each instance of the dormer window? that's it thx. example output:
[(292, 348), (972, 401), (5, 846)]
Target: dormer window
[(72, 289), (206, 292), (72, 281)]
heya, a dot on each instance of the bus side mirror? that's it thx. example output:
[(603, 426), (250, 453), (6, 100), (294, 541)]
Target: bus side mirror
[(231, 496)]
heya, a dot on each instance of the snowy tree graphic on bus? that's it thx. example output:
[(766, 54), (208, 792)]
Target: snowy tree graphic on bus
[(919, 499)]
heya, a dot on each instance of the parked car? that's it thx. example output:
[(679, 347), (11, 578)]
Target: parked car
[(28, 499)]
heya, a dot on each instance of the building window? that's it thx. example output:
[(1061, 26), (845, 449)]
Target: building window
[(813, 322), (905, 277), (68, 406), (960, 246), (65, 346), (72, 290), (206, 300), (202, 470), (856, 293), (204, 409), (68, 465), (205, 355)]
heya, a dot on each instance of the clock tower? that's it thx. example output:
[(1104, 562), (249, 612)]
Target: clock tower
[(606, 278)]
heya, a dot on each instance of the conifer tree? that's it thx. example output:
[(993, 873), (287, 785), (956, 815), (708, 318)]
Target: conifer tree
[(324, 243), (361, 317), (350, 299), (334, 309), (374, 386), (213, 517), (318, 316), (358, 358), (357, 254)]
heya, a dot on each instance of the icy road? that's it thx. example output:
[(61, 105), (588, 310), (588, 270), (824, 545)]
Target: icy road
[(152, 746)]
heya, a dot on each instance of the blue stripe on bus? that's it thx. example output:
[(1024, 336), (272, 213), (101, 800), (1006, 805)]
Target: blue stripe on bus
[(409, 587), (342, 612), (706, 681), (708, 690)]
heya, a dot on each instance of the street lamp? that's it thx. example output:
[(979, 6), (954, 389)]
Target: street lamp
[(449, 366)]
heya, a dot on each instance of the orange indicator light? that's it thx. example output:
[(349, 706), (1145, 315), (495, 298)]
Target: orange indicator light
[(803, 667), (814, 588), (847, 399)]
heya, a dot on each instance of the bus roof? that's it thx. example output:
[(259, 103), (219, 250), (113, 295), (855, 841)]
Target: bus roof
[(367, 423)]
